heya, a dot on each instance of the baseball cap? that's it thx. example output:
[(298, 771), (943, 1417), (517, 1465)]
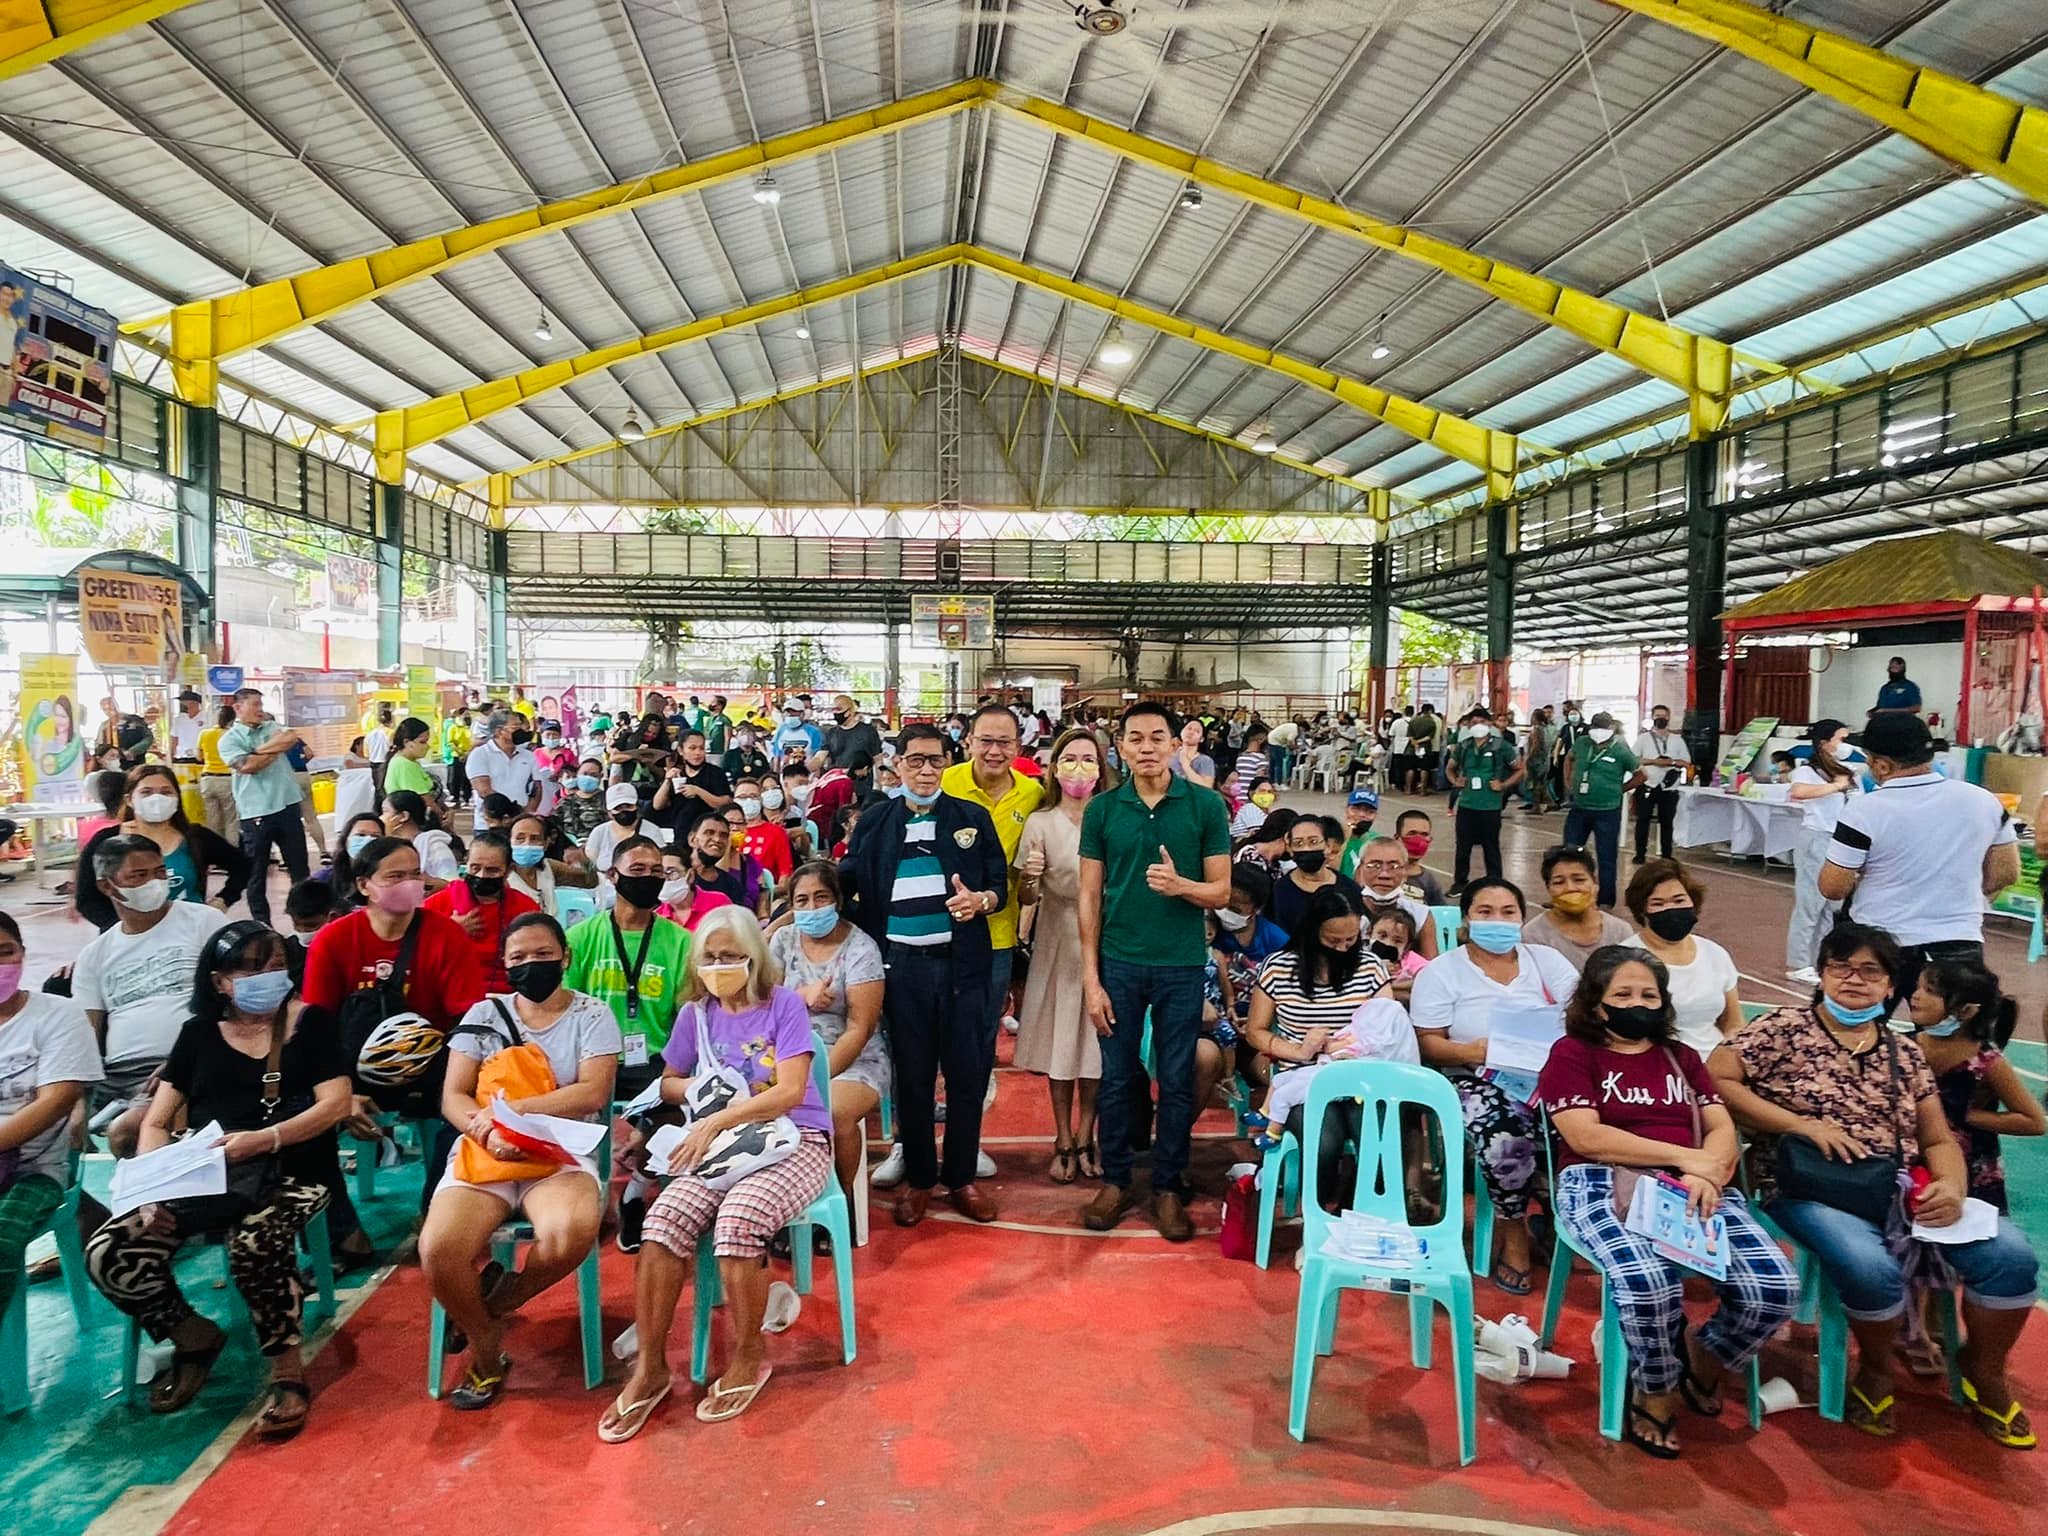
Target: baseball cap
[(1365, 797), (620, 796), (1902, 738), (1602, 721)]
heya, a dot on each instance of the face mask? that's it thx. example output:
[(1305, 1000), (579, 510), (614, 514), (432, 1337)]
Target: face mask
[(1310, 860), (1233, 922), (626, 815), (1573, 717), (750, 807), (264, 992), (1853, 1016), (155, 808), (638, 890), (587, 782), (953, 731), (1496, 938), (792, 720), (1417, 843), (401, 898), (771, 799), (529, 855), (146, 897), (1481, 732), (800, 794), (1077, 788), (485, 887), (1673, 923), (1264, 799), (10, 980), (1600, 735), (676, 891), (535, 980), (921, 802), (815, 922), (725, 980), (1941, 1031), (357, 842), (1634, 1022), (1661, 723), (1391, 953), (1572, 903), (894, 791)]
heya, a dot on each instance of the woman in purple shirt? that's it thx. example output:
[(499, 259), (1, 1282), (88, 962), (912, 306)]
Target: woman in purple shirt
[(734, 1001)]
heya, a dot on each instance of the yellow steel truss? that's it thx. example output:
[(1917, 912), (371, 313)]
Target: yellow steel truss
[(34, 32), (1977, 129)]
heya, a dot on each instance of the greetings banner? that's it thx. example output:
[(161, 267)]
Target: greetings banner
[(131, 623), (49, 727)]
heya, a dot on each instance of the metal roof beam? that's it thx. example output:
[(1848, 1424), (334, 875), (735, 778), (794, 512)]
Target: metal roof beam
[(1963, 123), (34, 33)]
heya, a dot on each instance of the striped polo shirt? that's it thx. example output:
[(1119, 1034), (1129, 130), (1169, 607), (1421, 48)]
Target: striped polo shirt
[(917, 902)]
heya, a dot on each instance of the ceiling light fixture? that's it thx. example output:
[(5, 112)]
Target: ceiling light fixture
[(543, 331), (1380, 348), (803, 333), (1265, 442), (766, 192), (1191, 198), (630, 430), (1115, 352), (1100, 18)]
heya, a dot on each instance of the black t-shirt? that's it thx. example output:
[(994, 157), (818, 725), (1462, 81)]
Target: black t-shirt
[(685, 811), (1289, 901), (843, 742), (220, 1083)]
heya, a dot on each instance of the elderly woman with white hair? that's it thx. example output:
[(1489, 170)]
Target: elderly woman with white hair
[(737, 1012)]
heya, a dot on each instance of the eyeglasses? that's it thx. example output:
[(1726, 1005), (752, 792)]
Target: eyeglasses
[(921, 760), (1076, 765), (1842, 971), (993, 741)]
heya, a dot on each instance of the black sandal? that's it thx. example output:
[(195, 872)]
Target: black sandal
[(170, 1399), (479, 1388), (1703, 1400), (1636, 1411), (453, 1339), (269, 1426)]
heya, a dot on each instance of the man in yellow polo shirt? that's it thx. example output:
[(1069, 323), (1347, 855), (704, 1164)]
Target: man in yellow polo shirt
[(989, 780)]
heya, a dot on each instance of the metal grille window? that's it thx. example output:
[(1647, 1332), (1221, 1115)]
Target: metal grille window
[(1443, 546)]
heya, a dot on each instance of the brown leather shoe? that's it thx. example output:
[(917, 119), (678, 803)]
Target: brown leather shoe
[(1107, 1208), (1171, 1217), (970, 1202), (911, 1206)]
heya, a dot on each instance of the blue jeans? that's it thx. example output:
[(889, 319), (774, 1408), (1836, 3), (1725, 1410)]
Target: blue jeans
[(1998, 1273), (1601, 828), (1174, 995)]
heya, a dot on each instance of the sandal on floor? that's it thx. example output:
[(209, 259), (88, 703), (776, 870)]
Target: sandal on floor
[(1924, 1359), (722, 1403), (2011, 1429), (188, 1371), (623, 1420), (1516, 1282), (1637, 1413), (270, 1424), (1089, 1159), (1705, 1401), (1873, 1418), (488, 1279), (1061, 1169), (481, 1388)]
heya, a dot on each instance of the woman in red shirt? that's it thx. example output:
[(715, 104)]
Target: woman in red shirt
[(361, 949), (483, 905)]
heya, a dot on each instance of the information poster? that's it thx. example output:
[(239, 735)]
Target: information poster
[(131, 623), (56, 361), (572, 714), (422, 693), (321, 707), (1743, 749), (49, 728)]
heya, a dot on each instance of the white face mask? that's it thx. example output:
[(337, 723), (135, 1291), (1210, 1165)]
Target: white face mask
[(771, 799), (1600, 734), (155, 808), (676, 890), (1481, 732), (1235, 922), (146, 897)]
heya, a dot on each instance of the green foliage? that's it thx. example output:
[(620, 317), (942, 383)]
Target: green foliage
[(681, 520), (1427, 642)]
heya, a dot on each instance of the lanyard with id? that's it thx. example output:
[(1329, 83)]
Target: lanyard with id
[(635, 1052), (1586, 774)]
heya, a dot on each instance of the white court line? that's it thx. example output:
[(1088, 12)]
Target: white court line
[(1777, 986)]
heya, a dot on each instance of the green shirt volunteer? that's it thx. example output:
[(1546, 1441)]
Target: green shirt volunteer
[(1124, 835), (657, 954), (1480, 763), (401, 772), (1596, 773)]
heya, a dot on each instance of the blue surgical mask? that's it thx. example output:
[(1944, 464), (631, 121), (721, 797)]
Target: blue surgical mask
[(587, 782), (815, 922), (263, 992), (1941, 1031), (1853, 1016), (894, 791), (528, 855), (357, 842), (1495, 938), (920, 802)]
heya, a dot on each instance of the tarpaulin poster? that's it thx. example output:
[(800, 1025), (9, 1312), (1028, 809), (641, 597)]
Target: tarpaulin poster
[(321, 707), (572, 713), (422, 693), (56, 361), (131, 623), (49, 727)]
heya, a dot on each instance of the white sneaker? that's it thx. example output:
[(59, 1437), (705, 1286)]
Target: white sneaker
[(1806, 975), (1010, 1023), (984, 1166), (783, 1306), (889, 1172), (988, 1098)]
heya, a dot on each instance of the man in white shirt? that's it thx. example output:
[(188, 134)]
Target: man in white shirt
[(186, 726), (500, 766), (622, 820), (1922, 854), (1662, 759)]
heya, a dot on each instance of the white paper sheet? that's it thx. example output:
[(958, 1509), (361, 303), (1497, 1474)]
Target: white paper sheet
[(647, 1098), (185, 1169), (1978, 1221), (661, 1146), (1519, 1035), (579, 1138)]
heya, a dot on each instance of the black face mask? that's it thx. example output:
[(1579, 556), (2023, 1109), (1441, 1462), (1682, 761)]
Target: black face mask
[(485, 887), (1663, 723), (536, 980), (1673, 923), (1310, 860), (1391, 953), (1634, 1022), (626, 815), (704, 860), (643, 891)]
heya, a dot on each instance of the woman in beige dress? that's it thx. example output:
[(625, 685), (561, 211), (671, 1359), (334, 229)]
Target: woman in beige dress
[(1053, 1035)]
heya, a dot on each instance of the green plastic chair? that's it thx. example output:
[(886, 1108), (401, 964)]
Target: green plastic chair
[(1441, 1277), (63, 1226), (1279, 1185), (1449, 920), (829, 1210), (589, 1308)]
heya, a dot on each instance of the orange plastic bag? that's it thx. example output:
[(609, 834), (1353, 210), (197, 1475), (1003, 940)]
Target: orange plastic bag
[(518, 1072)]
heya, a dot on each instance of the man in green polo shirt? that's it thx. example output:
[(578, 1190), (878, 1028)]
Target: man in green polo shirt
[(1155, 856), (1596, 775), (1482, 767)]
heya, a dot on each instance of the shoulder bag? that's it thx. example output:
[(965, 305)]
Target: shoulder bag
[(1866, 1187)]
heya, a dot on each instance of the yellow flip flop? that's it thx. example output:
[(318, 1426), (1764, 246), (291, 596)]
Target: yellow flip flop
[(1999, 1426), (1876, 1418)]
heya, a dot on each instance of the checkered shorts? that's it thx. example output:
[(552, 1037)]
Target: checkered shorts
[(741, 1219)]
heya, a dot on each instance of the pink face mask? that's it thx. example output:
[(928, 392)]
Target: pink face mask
[(1079, 787), (401, 897), (10, 980)]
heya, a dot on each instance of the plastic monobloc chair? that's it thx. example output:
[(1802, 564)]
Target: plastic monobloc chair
[(63, 1226), (1449, 921)]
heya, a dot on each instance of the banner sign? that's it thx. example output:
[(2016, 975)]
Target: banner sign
[(49, 727), (422, 693), (322, 708), (572, 714), (1742, 751), (56, 361), (351, 584), (131, 623), (224, 680)]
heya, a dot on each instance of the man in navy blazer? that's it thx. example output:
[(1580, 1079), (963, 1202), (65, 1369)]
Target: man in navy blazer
[(924, 872)]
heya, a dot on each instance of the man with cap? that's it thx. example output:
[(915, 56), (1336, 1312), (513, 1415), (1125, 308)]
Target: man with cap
[(1482, 767), (1922, 853), (1596, 775), (622, 820), (186, 725), (1361, 809)]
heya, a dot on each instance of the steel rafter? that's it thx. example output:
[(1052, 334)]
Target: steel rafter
[(35, 32)]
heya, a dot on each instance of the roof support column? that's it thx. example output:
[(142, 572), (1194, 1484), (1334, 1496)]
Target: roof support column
[(1379, 625), (1706, 580), (1500, 600), (198, 484), (498, 602), (390, 575)]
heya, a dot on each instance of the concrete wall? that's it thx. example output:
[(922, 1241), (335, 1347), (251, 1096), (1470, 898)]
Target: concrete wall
[(1848, 688)]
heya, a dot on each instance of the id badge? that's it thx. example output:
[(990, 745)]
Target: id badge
[(1585, 786), (636, 1050)]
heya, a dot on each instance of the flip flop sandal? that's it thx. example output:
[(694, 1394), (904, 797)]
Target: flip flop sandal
[(1873, 1418), (1061, 1170), (1923, 1359), (1516, 1282), (453, 1339), (269, 1426), (1705, 1401), (481, 1388), (200, 1361), (2011, 1429), (1089, 1159), (624, 1420), (1638, 1413), (730, 1403)]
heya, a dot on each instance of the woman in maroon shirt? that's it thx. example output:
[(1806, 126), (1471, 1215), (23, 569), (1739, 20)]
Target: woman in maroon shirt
[(1627, 1098)]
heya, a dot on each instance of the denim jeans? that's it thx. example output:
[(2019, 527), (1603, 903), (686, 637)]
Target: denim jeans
[(1601, 829), (1998, 1273), (1173, 993)]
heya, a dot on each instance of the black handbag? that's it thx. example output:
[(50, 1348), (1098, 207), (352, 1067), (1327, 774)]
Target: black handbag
[(1866, 1187), (254, 1180)]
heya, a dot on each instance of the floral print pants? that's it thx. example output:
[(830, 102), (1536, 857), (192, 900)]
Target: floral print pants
[(1502, 1132)]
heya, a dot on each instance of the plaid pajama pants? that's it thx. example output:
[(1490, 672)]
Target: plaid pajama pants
[(1759, 1296), (741, 1219), (25, 1207)]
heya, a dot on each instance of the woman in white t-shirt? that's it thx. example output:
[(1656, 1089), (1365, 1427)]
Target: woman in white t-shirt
[(1821, 787), (1452, 1005), (1665, 900)]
